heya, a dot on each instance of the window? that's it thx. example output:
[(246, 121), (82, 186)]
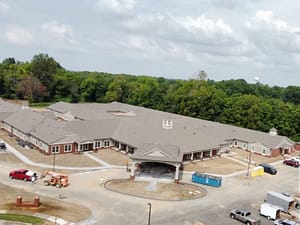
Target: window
[(68, 148), (188, 156), (264, 151), (55, 149), (235, 143), (97, 144), (106, 143)]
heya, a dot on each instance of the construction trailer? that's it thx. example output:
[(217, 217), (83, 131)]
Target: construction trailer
[(278, 199)]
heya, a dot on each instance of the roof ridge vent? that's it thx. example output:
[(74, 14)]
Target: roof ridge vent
[(167, 124)]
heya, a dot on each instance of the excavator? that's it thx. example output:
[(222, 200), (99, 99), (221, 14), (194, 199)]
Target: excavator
[(55, 179)]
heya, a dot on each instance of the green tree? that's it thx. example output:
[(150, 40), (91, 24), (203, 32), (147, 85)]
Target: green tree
[(291, 94), (117, 90), (43, 68)]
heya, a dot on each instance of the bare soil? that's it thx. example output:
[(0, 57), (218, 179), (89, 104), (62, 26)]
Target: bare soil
[(215, 166), (113, 157), (160, 191), (53, 207)]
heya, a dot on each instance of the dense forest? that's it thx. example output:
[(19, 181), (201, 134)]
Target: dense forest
[(255, 106)]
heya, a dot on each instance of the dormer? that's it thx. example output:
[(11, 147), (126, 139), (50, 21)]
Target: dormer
[(167, 124)]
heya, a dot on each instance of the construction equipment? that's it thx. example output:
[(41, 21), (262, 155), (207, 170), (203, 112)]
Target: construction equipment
[(55, 179)]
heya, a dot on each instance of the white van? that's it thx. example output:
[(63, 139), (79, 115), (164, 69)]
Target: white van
[(270, 211)]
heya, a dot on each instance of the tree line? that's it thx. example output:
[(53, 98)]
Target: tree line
[(236, 102)]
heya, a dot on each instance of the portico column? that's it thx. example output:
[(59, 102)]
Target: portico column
[(210, 153), (201, 155), (177, 174), (192, 156), (132, 171)]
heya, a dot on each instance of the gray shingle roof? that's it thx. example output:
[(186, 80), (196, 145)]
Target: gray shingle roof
[(52, 131), (158, 153), (142, 125), (8, 107), (24, 120), (91, 129)]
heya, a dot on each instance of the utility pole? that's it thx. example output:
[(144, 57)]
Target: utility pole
[(249, 163), (53, 168), (149, 217)]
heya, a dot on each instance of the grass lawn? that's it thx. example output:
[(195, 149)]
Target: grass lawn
[(22, 218)]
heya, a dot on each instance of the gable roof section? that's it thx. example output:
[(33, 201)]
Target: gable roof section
[(52, 131), (8, 107), (158, 152), (24, 120), (93, 130)]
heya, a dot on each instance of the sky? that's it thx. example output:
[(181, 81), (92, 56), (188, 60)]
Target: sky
[(255, 40)]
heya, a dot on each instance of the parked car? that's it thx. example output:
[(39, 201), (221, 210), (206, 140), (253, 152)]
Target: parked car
[(23, 174), (2, 145), (285, 222), (243, 216), (297, 158), (268, 168), (291, 162)]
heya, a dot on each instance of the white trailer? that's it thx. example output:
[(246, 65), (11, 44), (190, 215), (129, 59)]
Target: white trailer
[(281, 200), (270, 211)]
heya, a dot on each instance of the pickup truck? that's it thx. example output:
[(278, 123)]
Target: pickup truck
[(243, 216)]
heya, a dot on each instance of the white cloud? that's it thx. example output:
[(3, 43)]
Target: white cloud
[(58, 30), (204, 25), (229, 4), (118, 6), (18, 35), (3, 6), (273, 36), (197, 30)]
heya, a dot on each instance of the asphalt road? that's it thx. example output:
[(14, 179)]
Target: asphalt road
[(114, 209)]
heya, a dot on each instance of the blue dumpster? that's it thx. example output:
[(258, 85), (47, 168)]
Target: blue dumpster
[(207, 179)]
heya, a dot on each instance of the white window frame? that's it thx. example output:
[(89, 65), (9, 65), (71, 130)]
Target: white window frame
[(106, 143), (68, 148), (98, 144), (55, 149)]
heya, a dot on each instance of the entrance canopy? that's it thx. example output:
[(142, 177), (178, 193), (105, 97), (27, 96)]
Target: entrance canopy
[(158, 153)]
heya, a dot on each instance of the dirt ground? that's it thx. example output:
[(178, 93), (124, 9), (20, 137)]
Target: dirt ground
[(213, 166), (113, 157), (153, 190), (50, 206)]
